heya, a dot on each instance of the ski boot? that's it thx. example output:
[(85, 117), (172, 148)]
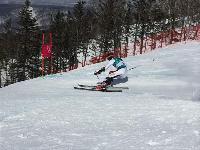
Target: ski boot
[(103, 85)]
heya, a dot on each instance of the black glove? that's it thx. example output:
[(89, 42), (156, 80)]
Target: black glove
[(99, 71)]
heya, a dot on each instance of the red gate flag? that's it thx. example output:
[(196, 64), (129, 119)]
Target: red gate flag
[(47, 48)]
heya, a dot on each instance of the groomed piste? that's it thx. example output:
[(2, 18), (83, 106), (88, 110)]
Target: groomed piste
[(159, 111)]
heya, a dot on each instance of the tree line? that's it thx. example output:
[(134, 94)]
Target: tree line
[(110, 23)]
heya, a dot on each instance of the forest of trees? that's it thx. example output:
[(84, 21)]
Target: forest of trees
[(109, 22)]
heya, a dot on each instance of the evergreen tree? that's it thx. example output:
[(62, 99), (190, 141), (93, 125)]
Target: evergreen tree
[(128, 21), (1, 58), (28, 44), (78, 31), (8, 52), (83, 26), (110, 16), (57, 27), (143, 16), (71, 35)]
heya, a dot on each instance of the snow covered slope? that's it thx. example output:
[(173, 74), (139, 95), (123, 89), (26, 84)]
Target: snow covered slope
[(160, 111)]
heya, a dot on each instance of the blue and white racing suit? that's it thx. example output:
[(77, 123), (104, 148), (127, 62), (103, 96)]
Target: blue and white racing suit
[(120, 68)]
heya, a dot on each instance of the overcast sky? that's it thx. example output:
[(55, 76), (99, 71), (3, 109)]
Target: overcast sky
[(59, 2)]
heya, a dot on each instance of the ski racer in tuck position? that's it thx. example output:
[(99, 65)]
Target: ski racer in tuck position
[(117, 75)]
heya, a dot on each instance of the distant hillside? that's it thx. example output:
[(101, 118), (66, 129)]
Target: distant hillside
[(42, 2), (42, 12)]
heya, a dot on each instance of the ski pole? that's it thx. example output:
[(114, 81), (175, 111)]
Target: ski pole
[(133, 68), (98, 77), (154, 59)]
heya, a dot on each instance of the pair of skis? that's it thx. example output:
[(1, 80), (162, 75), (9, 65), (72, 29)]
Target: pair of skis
[(93, 88)]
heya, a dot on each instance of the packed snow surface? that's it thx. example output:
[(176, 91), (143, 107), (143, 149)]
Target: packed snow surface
[(160, 111)]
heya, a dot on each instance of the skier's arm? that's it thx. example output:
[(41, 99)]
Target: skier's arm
[(100, 71), (110, 63)]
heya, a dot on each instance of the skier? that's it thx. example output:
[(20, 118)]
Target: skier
[(117, 75)]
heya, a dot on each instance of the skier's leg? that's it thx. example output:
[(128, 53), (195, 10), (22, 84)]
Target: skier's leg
[(119, 80), (121, 72), (119, 76), (107, 82)]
